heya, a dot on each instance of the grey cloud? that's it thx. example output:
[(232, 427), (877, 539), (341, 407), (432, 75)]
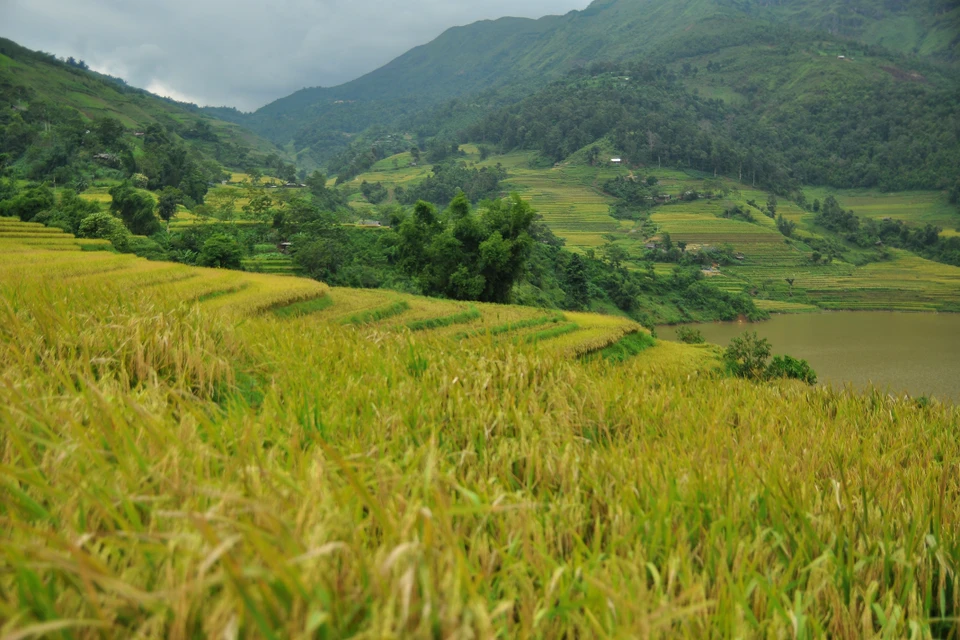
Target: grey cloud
[(243, 54)]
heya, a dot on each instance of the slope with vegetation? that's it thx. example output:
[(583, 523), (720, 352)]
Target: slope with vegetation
[(469, 71), (167, 471), (66, 125)]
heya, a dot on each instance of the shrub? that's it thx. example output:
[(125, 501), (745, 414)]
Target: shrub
[(747, 356), (104, 226), (792, 368), (147, 248), (688, 335)]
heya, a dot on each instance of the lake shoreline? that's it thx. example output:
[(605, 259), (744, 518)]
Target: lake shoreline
[(915, 353)]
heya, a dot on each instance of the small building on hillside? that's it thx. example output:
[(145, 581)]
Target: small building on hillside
[(616, 160), (284, 247), (370, 223)]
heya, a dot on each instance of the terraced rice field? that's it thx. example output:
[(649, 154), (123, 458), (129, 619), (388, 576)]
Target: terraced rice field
[(244, 294), (567, 198), (906, 282), (696, 224)]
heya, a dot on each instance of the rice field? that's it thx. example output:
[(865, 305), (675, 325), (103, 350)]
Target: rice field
[(173, 468), (568, 198), (905, 282)]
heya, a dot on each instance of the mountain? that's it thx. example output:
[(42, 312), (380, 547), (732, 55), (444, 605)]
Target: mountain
[(515, 57)]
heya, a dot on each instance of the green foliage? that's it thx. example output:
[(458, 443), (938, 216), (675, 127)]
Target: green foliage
[(167, 203), (69, 213), (788, 367), (378, 314), (220, 251), (147, 248), (925, 241), (689, 335), (465, 254), (905, 140), (786, 227), (374, 193), (28, 203), (306, 308), (105, 226), (451, 178), (748, 355), (135, 208), (627, 347), (445, 321)]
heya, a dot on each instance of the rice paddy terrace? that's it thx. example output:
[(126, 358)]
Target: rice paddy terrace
[(197, 453), (34, 251)]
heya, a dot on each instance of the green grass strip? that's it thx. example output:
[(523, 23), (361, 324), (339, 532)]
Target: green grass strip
[(509, 327), (303, 308), (220, 292), (445, 321), (554, 332), (378, 314), (623, 349)]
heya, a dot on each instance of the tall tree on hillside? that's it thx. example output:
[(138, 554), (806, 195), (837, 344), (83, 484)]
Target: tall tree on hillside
[(577, 283), (135, 208)]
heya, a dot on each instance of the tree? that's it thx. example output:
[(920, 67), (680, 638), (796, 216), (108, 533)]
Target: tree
[(577, 283), (321, 258), (615, 254), (109, 130), (135, 208), (747, 356), (220, 251), (786, 227), (167, 203)]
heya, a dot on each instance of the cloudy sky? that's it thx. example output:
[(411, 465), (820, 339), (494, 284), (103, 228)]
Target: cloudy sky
[(241, 53)]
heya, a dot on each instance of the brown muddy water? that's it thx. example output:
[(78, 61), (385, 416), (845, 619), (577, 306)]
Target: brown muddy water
[(913, 353)]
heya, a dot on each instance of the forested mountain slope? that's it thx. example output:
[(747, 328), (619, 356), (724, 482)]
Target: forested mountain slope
[(518, 56), (776, 116)]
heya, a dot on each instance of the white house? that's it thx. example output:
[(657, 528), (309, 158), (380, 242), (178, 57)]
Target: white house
[(615, 161)]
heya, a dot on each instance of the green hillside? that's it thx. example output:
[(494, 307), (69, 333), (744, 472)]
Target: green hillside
[(55, 111), (513, 57)]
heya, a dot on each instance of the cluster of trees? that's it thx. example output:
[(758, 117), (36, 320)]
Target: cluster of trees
[(926, 241), (465, 254), (451, 177)]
